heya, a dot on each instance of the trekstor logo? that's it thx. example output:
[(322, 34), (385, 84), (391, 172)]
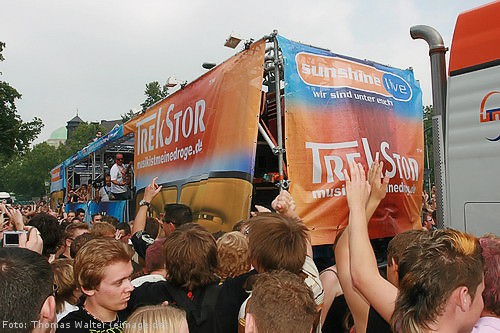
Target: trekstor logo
[(490, 110)]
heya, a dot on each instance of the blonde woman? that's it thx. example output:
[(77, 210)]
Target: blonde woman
[(67, 292), (157, 318), (233, 254)]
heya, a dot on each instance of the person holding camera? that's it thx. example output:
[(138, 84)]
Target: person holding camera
[(13, 232)]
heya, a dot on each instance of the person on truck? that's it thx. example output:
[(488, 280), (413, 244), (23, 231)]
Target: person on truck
[(118, 174), (104, 193)]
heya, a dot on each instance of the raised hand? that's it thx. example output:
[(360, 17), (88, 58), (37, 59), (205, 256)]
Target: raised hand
[(357, 187), (284, 204), (16, 218), (378, 185), (151, 190), (31, 240)]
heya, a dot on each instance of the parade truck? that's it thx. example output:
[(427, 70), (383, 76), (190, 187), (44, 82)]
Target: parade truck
[(466, 120), (88, 166), (284, 115)]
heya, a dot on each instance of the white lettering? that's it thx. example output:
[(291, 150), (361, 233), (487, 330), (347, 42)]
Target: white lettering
[(187, 132), (170, 125), (325, 160), (159, 130), (151, 136), (199, 113)]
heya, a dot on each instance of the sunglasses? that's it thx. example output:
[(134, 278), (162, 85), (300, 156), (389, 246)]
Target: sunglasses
[(55, 288)]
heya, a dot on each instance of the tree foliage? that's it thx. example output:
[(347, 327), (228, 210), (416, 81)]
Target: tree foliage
[(28, 175), (127, 116), (15, 134), (154, 92)]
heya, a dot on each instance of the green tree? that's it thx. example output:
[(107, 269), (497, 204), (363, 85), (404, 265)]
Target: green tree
[(27, 175), (154, 92), (127, 116), (15, 135)]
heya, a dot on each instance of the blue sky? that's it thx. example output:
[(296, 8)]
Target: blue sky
[(96, 56)]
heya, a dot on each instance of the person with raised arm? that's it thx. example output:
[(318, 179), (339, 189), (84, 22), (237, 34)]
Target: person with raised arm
[(443, 266), (363, 198)]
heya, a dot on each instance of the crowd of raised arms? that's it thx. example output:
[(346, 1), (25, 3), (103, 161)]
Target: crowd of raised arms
[(169, 274)]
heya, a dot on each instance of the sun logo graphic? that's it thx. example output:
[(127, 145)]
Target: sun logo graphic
[(490, 109)]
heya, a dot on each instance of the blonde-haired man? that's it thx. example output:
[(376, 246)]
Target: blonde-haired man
[(102, 270)]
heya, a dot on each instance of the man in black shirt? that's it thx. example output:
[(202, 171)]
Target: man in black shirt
[(175, 215), (102, 271)]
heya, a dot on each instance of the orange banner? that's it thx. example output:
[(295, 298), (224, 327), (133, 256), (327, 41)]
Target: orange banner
[(204, 136), (340, 109)]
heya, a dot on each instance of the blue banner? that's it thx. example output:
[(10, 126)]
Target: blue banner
[(118, 209), (114, 135)]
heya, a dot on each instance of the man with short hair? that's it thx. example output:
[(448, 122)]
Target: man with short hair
[(80, 214), (48, 226), (72, 231), (441, 285), (70, 216), (104, 193), (280, 303), (96, 218), (439, 273), (190, 254), (268, 233), (118, 175), (175, 215), (102, 270), (27, 302)]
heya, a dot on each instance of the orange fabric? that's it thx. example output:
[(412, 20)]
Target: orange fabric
[(476, 37)]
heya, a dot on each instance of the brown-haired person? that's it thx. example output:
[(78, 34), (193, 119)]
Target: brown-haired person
[(431, 291), (276, 242), (26, 292), (67, 293), (440, 285), (72, 231), (490, 316), (280, 303), (102, 269), (103, 229), (190, 262), (48, 226), (174, 216)]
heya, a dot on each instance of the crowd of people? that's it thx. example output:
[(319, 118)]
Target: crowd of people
[(169, 274)]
